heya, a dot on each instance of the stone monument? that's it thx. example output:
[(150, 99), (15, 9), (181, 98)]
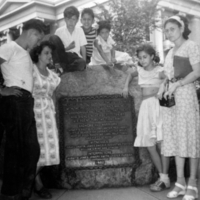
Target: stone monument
[(97, 128)]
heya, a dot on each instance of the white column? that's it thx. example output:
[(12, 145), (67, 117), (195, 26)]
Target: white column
[(159, 43), (42, 19), (8, 38), (20, 26), (158, 36), (195, 28)]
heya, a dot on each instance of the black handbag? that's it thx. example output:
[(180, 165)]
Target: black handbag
[(169, 102)]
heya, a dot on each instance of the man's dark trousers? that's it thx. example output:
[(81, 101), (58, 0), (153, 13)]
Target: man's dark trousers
[(22, 148)]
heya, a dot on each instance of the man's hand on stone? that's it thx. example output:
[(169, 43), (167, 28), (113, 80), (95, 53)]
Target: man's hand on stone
[(110, 64)]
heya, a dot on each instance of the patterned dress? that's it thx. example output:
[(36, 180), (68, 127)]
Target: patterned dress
[(181, 123), (44, 109), (149, 124)]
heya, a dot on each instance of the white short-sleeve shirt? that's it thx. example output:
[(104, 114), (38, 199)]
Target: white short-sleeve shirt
[(17, 69), (77, 36)]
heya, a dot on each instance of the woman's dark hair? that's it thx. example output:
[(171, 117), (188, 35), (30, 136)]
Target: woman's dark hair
[(88, 11), (71, 11), (147, 48), (35, 52), (186, 31), (103, 25)]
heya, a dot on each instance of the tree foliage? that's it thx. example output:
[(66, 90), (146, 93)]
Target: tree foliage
[(131, 20)]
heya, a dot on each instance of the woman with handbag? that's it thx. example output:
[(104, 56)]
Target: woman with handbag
[(181, 130), (149, 126)]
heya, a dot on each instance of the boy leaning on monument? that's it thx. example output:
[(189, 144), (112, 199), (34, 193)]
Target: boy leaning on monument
[(74, 41), (87, 19)]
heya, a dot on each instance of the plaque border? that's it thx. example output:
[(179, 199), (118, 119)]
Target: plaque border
[(62, 137)]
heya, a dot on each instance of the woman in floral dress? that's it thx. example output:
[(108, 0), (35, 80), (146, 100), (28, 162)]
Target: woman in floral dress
[(45, 82), (181, 130)]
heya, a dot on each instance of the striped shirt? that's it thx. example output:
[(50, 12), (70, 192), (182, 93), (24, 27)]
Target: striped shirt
[(90, 37)]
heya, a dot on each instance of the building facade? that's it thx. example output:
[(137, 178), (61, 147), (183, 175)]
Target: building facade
[(167, 8), (14, 12)]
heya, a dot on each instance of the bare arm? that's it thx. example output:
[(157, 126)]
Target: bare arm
[(83, 52), (128, 80), (162, 75), (193, 76), (162, 88), (190, 78), (113, 55), (100, 50), (71, 46)]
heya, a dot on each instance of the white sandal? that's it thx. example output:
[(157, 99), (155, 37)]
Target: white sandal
[(190, 197), (174, 194)]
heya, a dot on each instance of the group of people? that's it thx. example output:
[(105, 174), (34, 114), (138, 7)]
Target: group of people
[(26, 95), (28, 112), (78, 47), (173, 128)]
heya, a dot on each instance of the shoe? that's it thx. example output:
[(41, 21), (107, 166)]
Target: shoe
[(190, 197), (158, 186), (43, 193), (152, 185), (173, 194)]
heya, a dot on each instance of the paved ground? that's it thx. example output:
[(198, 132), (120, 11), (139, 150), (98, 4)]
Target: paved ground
[(131, 193)]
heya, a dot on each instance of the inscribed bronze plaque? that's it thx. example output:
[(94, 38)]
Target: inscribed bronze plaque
[(97, 131)]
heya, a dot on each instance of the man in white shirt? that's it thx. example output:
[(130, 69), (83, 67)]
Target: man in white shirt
[(73, 39), (22, 147)]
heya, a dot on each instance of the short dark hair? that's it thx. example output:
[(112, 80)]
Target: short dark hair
[(103, 25), (71, 11), (88, 11), (34, 24), (147, 48), (186, 31), (36, 51)]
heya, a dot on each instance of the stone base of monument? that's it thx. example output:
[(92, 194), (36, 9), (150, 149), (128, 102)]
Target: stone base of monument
[(101, 178)]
